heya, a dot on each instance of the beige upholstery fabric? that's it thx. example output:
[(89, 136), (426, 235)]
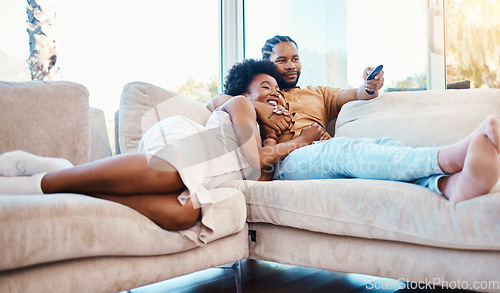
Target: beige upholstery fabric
[(143, 104), (391, 210), (31, 119), (49, 242), (120, 273), (40, 229), (99, 139), (421, 118), (397, 260), (375, 209)]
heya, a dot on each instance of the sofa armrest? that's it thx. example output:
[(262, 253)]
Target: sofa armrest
[(419, 118), (46, 118), (143, 104)]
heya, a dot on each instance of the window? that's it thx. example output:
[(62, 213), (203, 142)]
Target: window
[(177, 44), (473, 42), (338, 39), (167, 43), (14, 48), (107, 44)]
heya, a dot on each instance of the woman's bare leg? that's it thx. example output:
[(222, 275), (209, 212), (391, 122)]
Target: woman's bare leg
[(128, 174), (480, 173), (129, 180), (163, 209)]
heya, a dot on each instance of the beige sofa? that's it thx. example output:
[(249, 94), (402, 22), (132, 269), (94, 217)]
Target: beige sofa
[(76, 243), (388, 229)]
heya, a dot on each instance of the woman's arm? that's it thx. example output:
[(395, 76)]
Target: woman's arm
[(276, 117), (269, 138), (243, 117)]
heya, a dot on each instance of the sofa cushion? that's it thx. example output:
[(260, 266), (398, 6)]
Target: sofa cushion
[(46, 118), (123, 273), (420, 118), (375, 209), (422, 265), (41, 229), (143, 104)]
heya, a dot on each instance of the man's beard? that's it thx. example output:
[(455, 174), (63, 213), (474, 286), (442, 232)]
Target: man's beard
[(285, 84)]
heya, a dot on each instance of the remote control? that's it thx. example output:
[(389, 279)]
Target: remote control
[(372, 76)]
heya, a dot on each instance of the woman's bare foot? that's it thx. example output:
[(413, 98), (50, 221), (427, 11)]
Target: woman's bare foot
[(481, 171), (451, 158)]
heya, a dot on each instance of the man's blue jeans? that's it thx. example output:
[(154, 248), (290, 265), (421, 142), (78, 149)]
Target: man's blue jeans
[(383, 158)]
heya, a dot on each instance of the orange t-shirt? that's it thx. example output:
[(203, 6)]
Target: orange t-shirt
[(308, 105)]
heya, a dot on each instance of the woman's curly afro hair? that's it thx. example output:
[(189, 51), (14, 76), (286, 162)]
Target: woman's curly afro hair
[(241, 75)]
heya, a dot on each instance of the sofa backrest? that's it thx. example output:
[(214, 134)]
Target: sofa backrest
[(99, 139), (143, 104), (45, 118), (420, 118)]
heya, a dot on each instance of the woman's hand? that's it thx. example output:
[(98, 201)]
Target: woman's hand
[(312, 133)]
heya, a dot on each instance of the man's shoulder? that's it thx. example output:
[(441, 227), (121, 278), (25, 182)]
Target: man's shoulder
[(299, 89), (315, 90), (321, 87)]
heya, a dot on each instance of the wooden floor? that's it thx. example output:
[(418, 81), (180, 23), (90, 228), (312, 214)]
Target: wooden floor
[(268, 277)]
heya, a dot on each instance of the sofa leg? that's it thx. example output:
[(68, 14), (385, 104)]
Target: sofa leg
[(236, 267), (237, 275)]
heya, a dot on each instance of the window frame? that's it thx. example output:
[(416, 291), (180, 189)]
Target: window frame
[(232, 39), (232, 35), (436, 75)]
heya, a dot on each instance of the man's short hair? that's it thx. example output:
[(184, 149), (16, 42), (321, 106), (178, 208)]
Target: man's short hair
[(269, 45)]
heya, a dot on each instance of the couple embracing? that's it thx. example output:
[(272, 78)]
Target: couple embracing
[(270, 125)]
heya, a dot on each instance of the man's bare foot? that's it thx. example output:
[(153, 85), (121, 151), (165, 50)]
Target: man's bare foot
[(480, 173), (490, 128), (451, 158)]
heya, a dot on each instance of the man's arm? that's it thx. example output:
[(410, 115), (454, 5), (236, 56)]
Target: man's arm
[(360, 93), (218, 101)]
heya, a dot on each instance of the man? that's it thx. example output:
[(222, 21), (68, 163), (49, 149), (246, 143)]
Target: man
[(461, 171), (305, 106)]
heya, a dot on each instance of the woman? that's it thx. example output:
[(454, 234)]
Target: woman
[(163, 181)]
